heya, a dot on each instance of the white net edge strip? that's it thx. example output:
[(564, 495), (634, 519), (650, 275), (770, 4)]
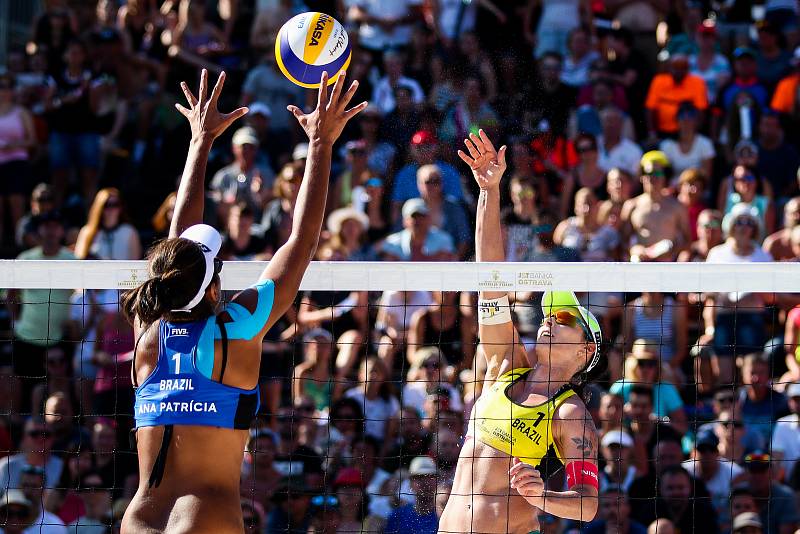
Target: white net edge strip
[(779, 277)]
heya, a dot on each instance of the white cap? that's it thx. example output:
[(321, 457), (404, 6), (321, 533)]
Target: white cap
[(617, 437), (300, 151), (209, 241), (259, 108), (245, 136), (422, 466)]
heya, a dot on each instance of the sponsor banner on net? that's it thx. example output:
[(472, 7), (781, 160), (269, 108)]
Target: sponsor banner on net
[(496, 280), (534, 279)]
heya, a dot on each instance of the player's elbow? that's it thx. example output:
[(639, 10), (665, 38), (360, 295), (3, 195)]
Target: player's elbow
[(588, 509), (303, 246)]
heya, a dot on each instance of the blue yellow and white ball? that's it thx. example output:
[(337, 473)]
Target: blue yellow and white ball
[(310, 44)]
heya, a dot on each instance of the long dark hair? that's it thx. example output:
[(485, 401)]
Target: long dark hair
[(177, 268)]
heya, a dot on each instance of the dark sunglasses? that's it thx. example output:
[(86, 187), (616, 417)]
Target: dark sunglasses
[(656, 174), (39, 433), (646, 363), (745, 222), (712, 224), (217, 265), (432, 181)]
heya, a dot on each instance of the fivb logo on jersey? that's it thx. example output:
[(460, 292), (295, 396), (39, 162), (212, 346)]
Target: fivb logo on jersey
[(178, 331)]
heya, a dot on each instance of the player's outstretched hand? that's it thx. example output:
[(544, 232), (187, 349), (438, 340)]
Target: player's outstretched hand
[(487, 164), (205, 119), (528, 482), (326, 122)]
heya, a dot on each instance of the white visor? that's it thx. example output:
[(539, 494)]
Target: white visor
[(210, 242)]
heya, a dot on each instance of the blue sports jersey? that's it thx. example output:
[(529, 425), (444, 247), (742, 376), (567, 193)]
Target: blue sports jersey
[(179, 390)]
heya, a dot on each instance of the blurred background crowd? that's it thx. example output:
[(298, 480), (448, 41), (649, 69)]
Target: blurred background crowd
[(638, 130)]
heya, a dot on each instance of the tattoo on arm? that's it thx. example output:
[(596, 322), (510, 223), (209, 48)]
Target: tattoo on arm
[(584, 445)]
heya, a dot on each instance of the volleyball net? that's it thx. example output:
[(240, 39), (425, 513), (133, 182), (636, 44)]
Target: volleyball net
[(368, 381)]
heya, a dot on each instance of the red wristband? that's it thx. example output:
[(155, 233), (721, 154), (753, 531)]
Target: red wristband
[(582, 473)]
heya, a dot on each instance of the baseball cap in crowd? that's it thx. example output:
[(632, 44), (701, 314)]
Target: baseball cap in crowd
[(552, 301), (209, 241), (653, 160), (739, 211), (300, 151), (422, 466), (259, 108), (706, 438), (793, 390), (423, 137), (757, 461), (245, 135), (617, 437), (414, 206), (14, 497), (744, 51), (746, 519), (348, 477)]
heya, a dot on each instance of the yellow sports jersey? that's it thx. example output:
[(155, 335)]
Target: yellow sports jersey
[(522, 431)]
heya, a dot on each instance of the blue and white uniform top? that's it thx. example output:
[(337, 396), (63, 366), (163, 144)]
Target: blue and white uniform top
[(180, 390)]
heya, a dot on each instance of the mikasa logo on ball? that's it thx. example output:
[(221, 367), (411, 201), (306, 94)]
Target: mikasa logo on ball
[(318, 29)]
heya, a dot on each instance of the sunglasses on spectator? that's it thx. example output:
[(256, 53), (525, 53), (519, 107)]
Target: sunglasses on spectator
[(39, 433), (746, 222), (646, 363), (526, 192), (433, 181), (712, 224), (656, 174)]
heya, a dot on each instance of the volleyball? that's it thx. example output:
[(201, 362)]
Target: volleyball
[(309, 44)]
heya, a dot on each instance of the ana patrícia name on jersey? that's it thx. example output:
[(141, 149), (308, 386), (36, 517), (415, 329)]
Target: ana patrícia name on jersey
[(182, 407)]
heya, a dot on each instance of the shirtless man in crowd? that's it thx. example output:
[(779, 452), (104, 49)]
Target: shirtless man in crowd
[(779, 244), (655, 225)]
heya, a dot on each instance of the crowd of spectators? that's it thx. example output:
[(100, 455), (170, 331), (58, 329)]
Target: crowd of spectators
[(638, 130)]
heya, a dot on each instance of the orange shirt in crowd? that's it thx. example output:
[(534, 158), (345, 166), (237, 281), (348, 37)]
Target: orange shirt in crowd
[(785, 97), (665, 96)]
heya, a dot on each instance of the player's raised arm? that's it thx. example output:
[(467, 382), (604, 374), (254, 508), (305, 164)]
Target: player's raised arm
[(207, 123), (323, 126), (498, 336)]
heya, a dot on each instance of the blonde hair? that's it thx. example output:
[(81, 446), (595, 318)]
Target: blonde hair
[(630, 368), (95, 218)]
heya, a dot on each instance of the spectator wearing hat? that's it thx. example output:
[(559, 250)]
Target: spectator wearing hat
[(353, 500), (708, 63), (445, 212), (778, 158), (244, 180), (32, 484), (16, 511), (785, 442), (96, 497), (312, 376), (344, 191), (747, 523), (616, 446), (691, 149), (424, 151), (778, 244), (745, 80), (657, 225), (614, 513), (419, 240), (718, 474), (667, 91), (419, 517), (348, 227), (776, 503)]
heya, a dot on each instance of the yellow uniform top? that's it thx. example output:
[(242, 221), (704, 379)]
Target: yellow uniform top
[(522, 431)]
